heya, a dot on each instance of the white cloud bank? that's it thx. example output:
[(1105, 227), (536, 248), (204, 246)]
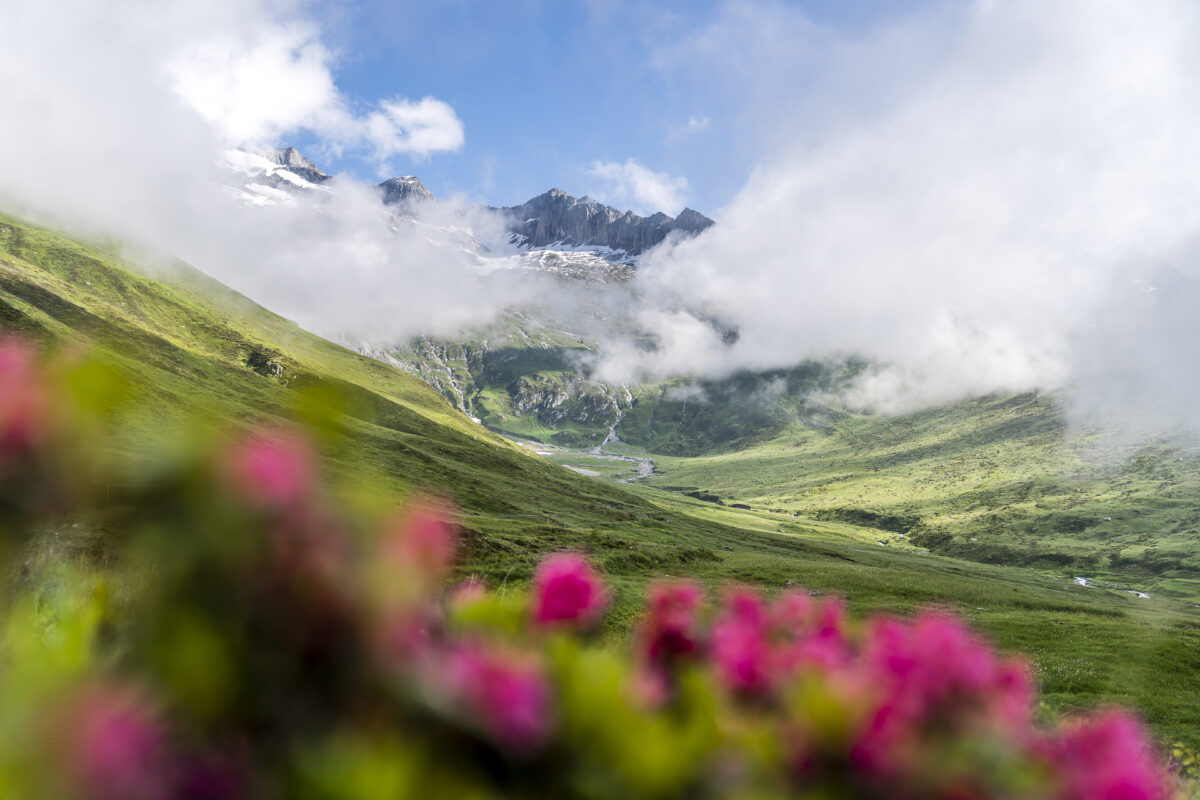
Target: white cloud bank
[(255, 88), (117, 116), (418, 128), (634, 184), (974, 217), (968, 196)]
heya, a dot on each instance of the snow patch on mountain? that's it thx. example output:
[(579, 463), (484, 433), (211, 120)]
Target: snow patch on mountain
[(554, 233), (273, 180)]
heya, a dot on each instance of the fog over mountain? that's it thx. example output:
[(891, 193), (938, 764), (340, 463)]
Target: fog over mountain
[(980, 197), (990, 220)]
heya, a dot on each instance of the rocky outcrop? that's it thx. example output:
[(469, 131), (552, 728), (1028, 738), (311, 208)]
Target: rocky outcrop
[(297, 164), (559, 398), (691, 221), (404, 190), (557, 217)]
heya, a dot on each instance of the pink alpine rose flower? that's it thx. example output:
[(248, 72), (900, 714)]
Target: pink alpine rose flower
[(271, 469), (1107, 758), (668, 636), (24, 401), (670, 630), (567, 591), (931, 678), (808, 634), (504, 694), (741, 648), (115, 746), (422, 541), (467, 593)]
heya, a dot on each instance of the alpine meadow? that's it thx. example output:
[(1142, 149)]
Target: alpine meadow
[(876, 477)]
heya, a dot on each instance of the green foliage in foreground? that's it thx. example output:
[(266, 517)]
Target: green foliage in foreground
[(186, 348), (269, 643)]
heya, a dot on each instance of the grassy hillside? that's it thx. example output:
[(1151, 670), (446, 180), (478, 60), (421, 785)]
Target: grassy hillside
[(1001, 480), (197, 354), (998, 480)]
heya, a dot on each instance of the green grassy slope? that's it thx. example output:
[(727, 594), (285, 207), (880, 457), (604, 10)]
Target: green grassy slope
[(999, 480), (195, 351)]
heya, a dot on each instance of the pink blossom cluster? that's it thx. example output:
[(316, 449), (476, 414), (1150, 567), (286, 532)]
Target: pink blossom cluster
[(322, 633), (1105, 757), (909, 695), (505, 693), (110, 742), (568, 592)]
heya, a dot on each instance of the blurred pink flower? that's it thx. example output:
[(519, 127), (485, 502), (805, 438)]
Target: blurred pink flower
[(24, 400), (566, 590), (1107, 758), (421, 542), (116, 746), (670, 629), (793, 611), (932, 677), (272, 468), (807, 634), (741, 649), (504, 694)]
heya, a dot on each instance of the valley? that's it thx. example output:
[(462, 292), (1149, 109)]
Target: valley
[(990, 507), (1004, 480)]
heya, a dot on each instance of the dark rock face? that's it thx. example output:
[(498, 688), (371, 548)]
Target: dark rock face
[(404, 190), (558, 217), (550, 218), (691, 221), (290, 157)]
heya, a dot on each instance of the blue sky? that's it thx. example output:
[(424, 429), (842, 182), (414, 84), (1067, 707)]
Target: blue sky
[(546, 89)]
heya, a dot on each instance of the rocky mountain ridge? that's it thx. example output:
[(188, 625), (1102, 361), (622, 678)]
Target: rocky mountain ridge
[(557, 217), (553, 220), (404, 189)]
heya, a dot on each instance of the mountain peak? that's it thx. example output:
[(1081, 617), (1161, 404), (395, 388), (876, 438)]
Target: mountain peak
[(692, 220), (404, 189), (555, 216), (291, 158)]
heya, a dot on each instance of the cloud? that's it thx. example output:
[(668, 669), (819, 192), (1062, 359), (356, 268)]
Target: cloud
[(414, 128), (255, 88), (694, 124), (634, 184), (972, 197), (971, 219), (117, 118), (252, 91)]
